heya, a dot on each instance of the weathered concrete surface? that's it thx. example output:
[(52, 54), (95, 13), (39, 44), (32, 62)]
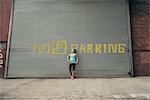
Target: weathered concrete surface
[(79, 89)]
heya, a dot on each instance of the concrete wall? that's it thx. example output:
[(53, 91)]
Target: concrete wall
[(140, 21)]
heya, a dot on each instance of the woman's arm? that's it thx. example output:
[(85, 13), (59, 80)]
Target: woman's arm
[(77, 60), (68, 57)]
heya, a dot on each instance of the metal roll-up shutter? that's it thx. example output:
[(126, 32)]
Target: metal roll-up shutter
[(43, 32)]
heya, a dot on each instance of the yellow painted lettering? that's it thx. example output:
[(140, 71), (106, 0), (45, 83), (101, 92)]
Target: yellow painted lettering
[(74, 46), (112, 48), (36, 48), (82, 48), (98, 48), (121, 48), (89, 48), (45, 48), (105, 48)]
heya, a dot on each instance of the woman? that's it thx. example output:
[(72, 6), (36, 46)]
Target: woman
[(72, 59)]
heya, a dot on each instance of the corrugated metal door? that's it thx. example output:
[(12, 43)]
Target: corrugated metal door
[(43, 31)]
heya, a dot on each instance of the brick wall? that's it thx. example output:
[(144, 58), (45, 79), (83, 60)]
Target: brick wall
[(140, 24), (5, 6)]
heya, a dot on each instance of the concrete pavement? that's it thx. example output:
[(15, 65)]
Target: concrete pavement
[(137, 88)]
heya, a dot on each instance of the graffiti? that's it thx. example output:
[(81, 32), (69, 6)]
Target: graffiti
[(143, 43), (1, 59), (144, 57), (140, 42), (60, 47)]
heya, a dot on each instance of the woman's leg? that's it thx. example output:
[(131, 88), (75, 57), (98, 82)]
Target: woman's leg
[(70, 67), (73, 72)]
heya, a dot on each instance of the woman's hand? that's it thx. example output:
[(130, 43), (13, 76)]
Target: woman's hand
[(76, 62)]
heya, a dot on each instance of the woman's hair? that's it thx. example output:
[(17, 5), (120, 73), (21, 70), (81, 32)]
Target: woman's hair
[(75, 51)]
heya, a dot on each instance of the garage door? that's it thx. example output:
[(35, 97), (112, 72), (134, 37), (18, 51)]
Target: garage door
[(44, 31)]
